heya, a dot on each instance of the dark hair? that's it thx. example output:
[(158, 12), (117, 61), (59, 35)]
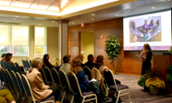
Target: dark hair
[(7, 55), (3, 55), (152, 22), (90, 55), (99, 58), (45, 57), (66, 58)]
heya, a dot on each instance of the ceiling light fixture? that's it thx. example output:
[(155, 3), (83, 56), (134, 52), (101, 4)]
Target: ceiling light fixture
[(39, 24), (152, 7), (73, 22), (17, 16), (93, 14), (116, 14), (14, 18), (52, 21), (127, 7), (92, 19)]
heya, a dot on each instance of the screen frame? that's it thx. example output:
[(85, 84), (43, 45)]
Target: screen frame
[(147, 14)]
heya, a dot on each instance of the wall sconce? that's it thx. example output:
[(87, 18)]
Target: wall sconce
[(101, 36)]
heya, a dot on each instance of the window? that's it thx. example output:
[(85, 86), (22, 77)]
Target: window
[(5, 49), (20, 40), (40, 41), (14, 39)]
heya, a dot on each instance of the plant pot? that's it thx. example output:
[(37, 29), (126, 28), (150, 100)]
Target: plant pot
[(154, 91), (146, 89)]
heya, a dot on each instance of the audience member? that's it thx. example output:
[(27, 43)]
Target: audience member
[(6, 96), (101, 67), (3, 57), (66, 64), (8, 57), (85, 85), (81, 57), (39, 89), (90, 62), (47, 63)]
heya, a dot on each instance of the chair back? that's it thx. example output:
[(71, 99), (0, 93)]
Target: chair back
[(18, 68), (87, 71), (76, 90), (109, 78), (2, 64), (16, 85), (11, 82), (13, 66), (64, 80), (24, 63), (27, 64), (6, 66), (48, 75), (56, 76), (20, 84), (10, 66), (4, 78), (30, 63), (43, 75), (27, 87)]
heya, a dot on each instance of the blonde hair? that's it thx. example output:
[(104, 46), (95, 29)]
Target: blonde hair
[(76, 65), (81, 57), (35, 62), (147, 47)]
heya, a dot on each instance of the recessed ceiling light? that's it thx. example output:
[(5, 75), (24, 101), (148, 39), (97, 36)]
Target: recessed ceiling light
[(92, 19), (73, 22), (17, 16), (152, 7), (126, 11), (52, 21), (39, 24), (93, 14), (116, 14), (127, 7), (14, 18)]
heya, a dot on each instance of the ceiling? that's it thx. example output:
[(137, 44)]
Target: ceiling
[(88, 14)]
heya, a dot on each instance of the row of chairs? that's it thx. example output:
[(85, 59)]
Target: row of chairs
[(11, 66), (26, 64), (60, 78), (19, 84), (68, 83)]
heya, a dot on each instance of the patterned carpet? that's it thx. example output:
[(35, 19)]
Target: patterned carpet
[(137, 93)]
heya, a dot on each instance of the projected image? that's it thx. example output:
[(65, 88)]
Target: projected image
[(145, 29)]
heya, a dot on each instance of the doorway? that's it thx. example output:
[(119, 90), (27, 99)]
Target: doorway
[(86, 43)]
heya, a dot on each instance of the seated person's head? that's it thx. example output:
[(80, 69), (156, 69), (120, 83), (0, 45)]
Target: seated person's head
[(37, 63), (66, 59), (3, 55), (46, 57), (81, 57), (90, 58), (76, 65), (8, 56), (99, 61)]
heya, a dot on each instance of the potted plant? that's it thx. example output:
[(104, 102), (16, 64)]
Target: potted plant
[(169, 74), (113, 48), (142, 81), (154, 83)]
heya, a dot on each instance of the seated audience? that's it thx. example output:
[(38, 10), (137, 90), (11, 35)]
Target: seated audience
[(81, 57), (66, 64), (6, 96), (47, 63), (85, 85), (8, 57), (90, 62), (39, 89), (99, 65)]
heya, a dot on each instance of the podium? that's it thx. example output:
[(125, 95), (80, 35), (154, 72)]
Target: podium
[(160, 63)]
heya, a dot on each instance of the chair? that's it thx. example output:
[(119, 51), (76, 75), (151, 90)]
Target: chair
[(12, 66), (4, 78), (30, 63), (65, 84), (27, 64), (17, 68), (24, 65), (119, 88), (43, 75), (56, 76), (14, 79), (48, 76), (6, 66), (87, 71), (20, 85), (29, 93), (76, 90)]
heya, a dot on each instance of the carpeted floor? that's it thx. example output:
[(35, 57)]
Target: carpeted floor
[(137, 93)]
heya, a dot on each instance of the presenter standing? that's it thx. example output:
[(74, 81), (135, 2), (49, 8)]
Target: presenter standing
[(146, 56)]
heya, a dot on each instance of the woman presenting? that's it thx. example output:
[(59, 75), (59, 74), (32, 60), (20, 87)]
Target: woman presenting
[(146, 56)]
